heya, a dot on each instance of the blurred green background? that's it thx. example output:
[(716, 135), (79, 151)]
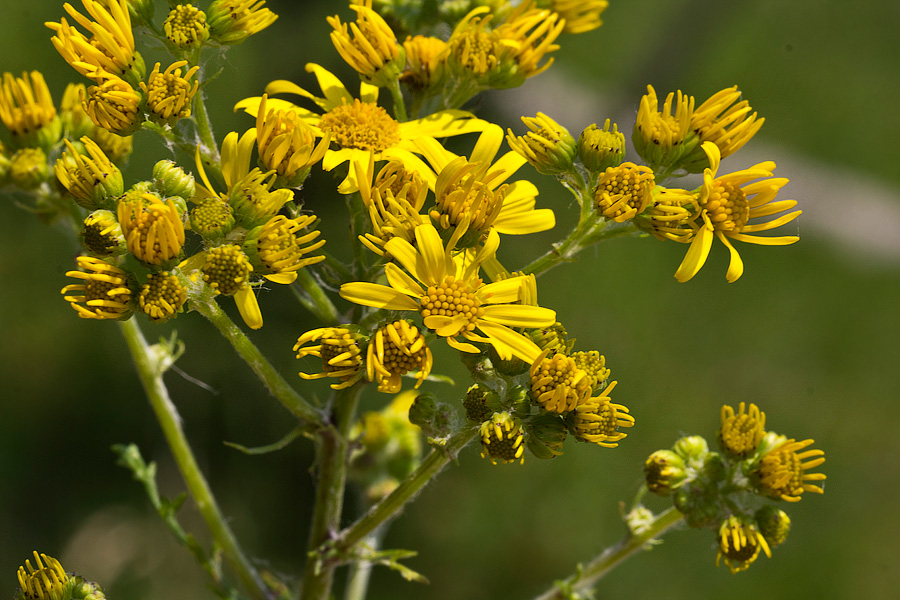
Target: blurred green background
[(809, 333)]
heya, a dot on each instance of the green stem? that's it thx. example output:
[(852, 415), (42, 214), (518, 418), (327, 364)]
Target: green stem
[(316, 300), (613, 556), (436, 460), (361, 571), (334, 450), (150, 366), (209, 150), (272, 379), (399, 104)]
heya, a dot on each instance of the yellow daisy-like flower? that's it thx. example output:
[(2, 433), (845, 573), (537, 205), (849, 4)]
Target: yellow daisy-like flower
[(659, 135), (599, 419), (104, 292), (226, 270), (110, 47), (623, 191), (169, 94), (287, 144), (472, 189), (742, 432), (670, 214), (162, 297), (359, 126), (580, 16), (451, 297), (277, 252), (530, 32), (502, 439), (93, 179), (396, 349), (369, 46), (339, 349), (233, 21), (425, 58), (27, 110), (594, 365), (186, 26), (727, 204), (557, 384), (152, 228), (102, 234), (726, 124), (113, 105), (45, 581), (548, 147), (782, 472), (739, 544)]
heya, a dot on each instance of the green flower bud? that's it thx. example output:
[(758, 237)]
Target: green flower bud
[(86, 590), (171, 180), (480, 403), (102, 234), (601, 148), (700, 505), (432, 416), (28, 168), (774, 524), (692, 449), (553, 337), (664, 472), (545, 435), (502, 439), (141, 12)]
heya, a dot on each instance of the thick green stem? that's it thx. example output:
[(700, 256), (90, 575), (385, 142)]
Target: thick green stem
[(272, 379), (150, 366), (399, 104), (316, 300), (332, 478), (613, 556), (394, 502), (209, 150)]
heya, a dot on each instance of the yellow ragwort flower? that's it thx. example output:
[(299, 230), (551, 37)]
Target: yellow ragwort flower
[(277, 252), (287, 143), (162, 297), (727, 204), (739, 543), (102, 235), (548, 147), (670, 214), (27, 110), (104, 293), (598, 419), (226, 270), (425, 59), (76, 122), (369, 46), (110, 47), (594, 365), (659, 135), (396, 349), (473, 190), (168, 94), (451, 297), (212, 218), (726, 124), (339, 349), (152, 228), (601, 148), (186, 27), (28, 168), (233, 21), (624, 191), (557, 384), (530, 32), (502, 439), (359, 126), (741, 432), (113, 105), (47, 580), (580, 16), (93, 179), (782, 472)]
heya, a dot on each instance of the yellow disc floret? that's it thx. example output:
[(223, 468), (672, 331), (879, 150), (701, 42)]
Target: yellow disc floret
[(741, 433), (45, 581), (557, 384), (396, 349), (162, 297), (226, 269), (362, 125), (455, 299)]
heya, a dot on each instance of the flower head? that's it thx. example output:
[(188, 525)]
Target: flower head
[(28, 168), (104, 293), (659, 135), (358, 126), (369, 46), (623, 191), (425, 58), (113, 105), (726, 124), (557, 384), (396, 349), (598, 420), (152, 228), (670, 214), (664, 472), (226, 270), (450, 296), (76, 122), (162, 296), (530, 32), (502, 439), (727, 204), (93, 179), (548, 147), (47, 580), (739, 543), (580, 16), (186, 26), (287, 143), (599, 149), (741, 433), (233, 21), (783, 471), (27, 110), (594, 365), (102, 234), (340, 351), (212, 218), (168, 94), (774, 524), (277, 252)]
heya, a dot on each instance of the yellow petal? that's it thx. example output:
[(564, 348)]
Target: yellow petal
[(506, 341), (462, 346), (399, 280), (335, 92), (501, 292), (765, 241), (378, 296), (285, 278), (487, 145), (735, 265), (445, 326), (247, 305), (696, 254), (433, 263), (519, 315), (405, 254)]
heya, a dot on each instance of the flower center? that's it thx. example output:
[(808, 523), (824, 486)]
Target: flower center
[(727, 206), (363, 125), (342, 344), (475, 51), (740, 435), (162, 296), (557, 384), (211, 217), (473, 197), (111, 296), (186, 26), (453, 298), (663, 130), (226, 269), (624, 191)]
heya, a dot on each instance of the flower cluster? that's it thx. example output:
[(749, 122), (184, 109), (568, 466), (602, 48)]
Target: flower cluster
[(727, 491)]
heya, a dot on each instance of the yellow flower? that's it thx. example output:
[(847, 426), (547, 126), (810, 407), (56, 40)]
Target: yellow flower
[(659, 135), (369, 46), (226, 270), (168, 94), (782, 472), (93, 179), (277, 252), (340, 352), (597, 420), (530, 33), (287, 144), (105, 292), (359, 126), (115, 146), (557, 384), (75, 121), (212, 218), (27, 110), (396, 349), (28, 168), (186, 26), (162, 297), (548, 147), (102, 234), (152, 228), (110, 47), (727, 204), (580, 16), (594, 365), (233, 21), (741, 433), (670, 214), (502, 439), (44, 582), (739, 543), (624, 191), (425, 57), (451, 297), (472, 189), (728, 125), (113, 105)]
